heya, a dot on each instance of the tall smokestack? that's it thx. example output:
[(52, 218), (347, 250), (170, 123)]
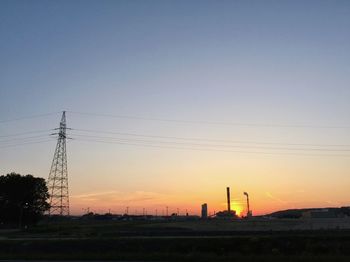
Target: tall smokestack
[(228, 200)]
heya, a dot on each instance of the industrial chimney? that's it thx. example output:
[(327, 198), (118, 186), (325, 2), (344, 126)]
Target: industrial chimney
[(228, 200)]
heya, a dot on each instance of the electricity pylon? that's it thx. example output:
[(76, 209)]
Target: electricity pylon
[(58, 177)]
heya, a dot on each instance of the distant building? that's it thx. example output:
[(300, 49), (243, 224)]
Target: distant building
[(250, 213), (319, 213), (226, 215), (205, 210)]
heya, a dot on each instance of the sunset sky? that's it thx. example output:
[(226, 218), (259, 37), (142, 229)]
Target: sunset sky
[(170, 102)]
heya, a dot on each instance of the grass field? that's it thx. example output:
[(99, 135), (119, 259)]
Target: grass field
[(170, 241)]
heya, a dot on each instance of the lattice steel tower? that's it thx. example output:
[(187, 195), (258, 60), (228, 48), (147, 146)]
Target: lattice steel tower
[(58, 177)]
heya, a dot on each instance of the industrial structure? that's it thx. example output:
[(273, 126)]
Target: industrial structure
[(228, 200), (249, 212), (227, 214), (205, 210), (58, 176)]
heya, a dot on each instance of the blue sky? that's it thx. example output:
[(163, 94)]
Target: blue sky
[(151, 57), (255, 62)]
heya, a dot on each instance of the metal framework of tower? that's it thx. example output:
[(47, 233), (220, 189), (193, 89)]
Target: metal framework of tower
[(58, 177)]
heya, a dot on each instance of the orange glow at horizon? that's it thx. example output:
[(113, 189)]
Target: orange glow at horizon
[(270, 184), (117, 202)]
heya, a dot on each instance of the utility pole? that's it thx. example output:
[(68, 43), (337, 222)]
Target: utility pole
[(248, 208), (58, 176)]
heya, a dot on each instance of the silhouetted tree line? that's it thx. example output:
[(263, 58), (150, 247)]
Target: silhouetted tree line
[(22, 199)]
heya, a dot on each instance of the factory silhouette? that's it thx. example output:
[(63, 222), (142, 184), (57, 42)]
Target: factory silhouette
[(228, 213)]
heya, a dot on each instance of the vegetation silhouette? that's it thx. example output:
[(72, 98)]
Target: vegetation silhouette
[(22, 199)]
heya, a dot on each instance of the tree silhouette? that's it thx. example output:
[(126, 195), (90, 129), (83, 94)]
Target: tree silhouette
[(22, 199)]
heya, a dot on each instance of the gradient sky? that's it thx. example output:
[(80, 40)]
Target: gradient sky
[(281, 67)]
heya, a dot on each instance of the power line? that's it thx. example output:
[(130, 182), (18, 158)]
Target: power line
[(26, 133), (209, 145), (210, 149), (207, 139), (175, 141), (28, 117), (26, 143), (206, 122), (23, 138)]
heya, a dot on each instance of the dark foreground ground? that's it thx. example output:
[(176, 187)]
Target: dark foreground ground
[(171, 241)]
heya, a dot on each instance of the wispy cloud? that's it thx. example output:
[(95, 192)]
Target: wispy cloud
[(95, 194), (117, 196), (269, 195), (333, 203)]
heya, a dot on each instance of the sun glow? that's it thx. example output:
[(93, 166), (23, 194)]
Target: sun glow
[(238, 208)]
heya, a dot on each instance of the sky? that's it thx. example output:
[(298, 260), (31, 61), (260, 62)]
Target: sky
[(180, 99)]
